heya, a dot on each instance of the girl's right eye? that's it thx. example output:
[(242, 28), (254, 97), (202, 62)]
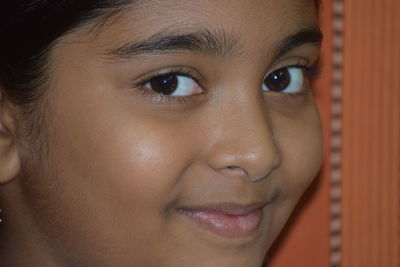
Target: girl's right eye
[(174, 84)]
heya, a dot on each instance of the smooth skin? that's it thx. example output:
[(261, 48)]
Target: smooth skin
[(119, 162)]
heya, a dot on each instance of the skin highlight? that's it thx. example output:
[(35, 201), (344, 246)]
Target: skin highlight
[(121, 162)]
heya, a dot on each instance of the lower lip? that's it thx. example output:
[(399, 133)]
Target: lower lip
[(227, 225)]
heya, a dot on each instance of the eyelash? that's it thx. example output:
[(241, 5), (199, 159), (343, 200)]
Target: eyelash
[(310, 73), (165, 99)]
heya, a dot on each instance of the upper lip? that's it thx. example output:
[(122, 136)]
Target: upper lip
[(226, 208)]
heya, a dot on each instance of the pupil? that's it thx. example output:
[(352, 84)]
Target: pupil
[(278, 80), (165, 85)]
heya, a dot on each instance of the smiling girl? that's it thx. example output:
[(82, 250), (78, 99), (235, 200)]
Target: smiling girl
[(154, 132)]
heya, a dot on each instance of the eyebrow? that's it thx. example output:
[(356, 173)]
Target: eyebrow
[(312, 36), (206, 42)]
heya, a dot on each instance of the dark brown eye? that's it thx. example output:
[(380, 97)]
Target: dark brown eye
[(278, 80), (285, 80), (164, 84), (174, 84)]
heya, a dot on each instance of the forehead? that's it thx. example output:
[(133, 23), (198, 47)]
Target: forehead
[(251, 21), (198, 9)]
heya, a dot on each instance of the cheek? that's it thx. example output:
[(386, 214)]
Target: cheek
[(300, 140), (130, 161), (114, 171)]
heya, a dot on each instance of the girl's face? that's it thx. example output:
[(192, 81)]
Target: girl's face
[(179, 133)]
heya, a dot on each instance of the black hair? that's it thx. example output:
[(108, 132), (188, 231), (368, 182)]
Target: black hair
[(28, 29)]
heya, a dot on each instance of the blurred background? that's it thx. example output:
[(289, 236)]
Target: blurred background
[(350, 216)]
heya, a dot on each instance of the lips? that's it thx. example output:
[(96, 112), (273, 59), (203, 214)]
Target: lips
[(227, 220)]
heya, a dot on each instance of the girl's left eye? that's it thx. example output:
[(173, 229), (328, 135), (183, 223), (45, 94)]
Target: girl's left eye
[(173, 84), (288, 80)]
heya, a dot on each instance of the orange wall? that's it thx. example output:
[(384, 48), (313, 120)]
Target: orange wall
[(371, 134)]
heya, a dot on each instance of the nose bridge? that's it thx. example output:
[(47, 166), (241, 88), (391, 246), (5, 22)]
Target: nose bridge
[(244, 142)]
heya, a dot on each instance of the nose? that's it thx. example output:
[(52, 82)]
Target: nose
[(244, 144)]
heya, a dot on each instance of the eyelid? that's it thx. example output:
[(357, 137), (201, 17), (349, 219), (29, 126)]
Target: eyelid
[(311, 68), (289, 62), (159, 98), (178, 70)]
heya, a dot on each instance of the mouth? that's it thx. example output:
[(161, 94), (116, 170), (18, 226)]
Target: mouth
[(227, 220)]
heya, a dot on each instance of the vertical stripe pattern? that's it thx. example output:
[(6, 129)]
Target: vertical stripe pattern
[(371, 134), (336, 123)]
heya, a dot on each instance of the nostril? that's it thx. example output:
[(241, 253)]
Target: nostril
[(238, 170), (277, 161)]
